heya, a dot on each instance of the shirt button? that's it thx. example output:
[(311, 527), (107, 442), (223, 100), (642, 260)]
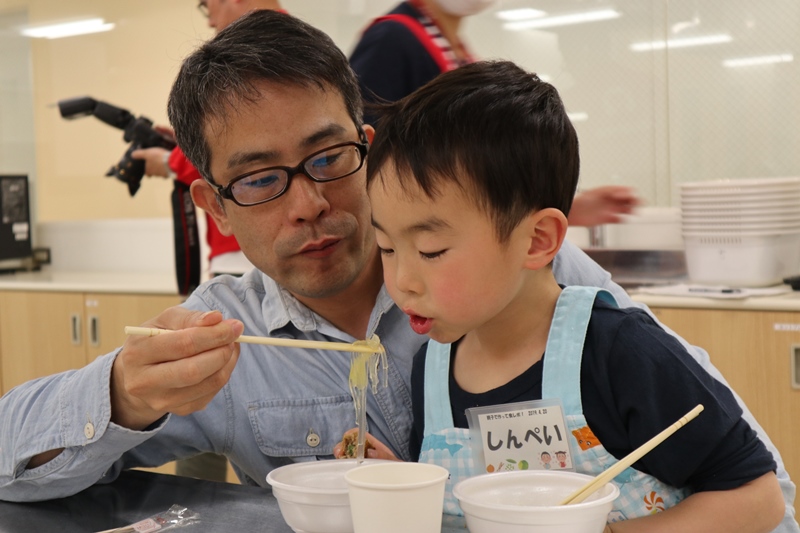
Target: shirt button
[(312, 439), (88, 430)]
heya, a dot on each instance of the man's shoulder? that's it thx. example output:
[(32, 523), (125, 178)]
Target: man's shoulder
[(228, 292)]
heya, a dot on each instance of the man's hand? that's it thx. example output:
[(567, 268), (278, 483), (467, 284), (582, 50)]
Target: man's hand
[(177, 372), (603, 205)]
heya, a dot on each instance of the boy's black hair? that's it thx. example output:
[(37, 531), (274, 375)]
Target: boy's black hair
[(263, 45), (497, 131)]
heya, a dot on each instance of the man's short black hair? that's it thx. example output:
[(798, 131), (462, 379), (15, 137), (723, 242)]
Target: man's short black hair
[(497, 131), (263, 45)]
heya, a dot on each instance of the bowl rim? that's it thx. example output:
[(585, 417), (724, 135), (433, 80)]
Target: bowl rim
[(441, 474), (527, 508), (300, 465)]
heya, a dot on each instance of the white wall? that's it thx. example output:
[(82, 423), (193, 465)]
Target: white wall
[(653, 119)]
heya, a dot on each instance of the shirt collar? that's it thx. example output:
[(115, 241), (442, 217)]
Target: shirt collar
[(286, 313)]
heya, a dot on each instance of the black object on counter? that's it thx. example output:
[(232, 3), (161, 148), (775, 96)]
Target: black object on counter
[(793, 281)]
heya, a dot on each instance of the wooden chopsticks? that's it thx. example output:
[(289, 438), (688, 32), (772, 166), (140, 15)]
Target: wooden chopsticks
[(360, 347), (603, 478)]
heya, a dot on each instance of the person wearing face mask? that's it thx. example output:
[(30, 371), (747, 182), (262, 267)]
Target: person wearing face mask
[(409, 46), (416, 41)]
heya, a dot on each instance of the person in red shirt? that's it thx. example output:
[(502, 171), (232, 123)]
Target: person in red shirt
[(225, 256), (416, 41)]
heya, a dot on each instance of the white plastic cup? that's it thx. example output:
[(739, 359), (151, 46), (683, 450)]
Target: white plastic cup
[(397, 497)]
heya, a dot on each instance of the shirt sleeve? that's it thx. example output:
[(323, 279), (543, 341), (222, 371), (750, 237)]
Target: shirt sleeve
[(647, 381), (182, 167), (71, 410)]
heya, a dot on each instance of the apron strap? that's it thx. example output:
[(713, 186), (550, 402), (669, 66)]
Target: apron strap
[(438, 413)]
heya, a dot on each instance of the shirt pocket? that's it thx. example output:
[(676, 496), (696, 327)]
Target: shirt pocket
[(288, 427)]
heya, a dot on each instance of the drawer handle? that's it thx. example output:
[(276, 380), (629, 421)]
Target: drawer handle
[(795, 355), (94, 330), (75, 321)]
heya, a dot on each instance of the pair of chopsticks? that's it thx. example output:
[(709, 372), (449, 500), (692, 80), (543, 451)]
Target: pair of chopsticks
[(360, 347), (603, 478)]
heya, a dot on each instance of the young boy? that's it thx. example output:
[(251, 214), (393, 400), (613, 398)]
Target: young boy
[(471, 179)]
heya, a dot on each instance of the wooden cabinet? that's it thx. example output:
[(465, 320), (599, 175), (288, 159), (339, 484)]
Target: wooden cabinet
[(758, 352), (42, 333)]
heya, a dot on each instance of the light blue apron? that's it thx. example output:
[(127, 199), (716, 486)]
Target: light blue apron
[(448, 446)]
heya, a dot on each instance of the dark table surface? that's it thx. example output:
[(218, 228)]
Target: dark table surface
[(136, 495)]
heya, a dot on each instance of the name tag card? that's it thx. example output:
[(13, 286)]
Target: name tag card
[(520, 436)]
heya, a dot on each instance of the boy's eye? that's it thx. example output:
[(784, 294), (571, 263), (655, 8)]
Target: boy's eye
[(431, 255)]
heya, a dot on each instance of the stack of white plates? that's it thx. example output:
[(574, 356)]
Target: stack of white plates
[(741, 232)]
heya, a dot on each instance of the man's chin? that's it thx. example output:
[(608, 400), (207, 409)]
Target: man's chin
[(322, 285)]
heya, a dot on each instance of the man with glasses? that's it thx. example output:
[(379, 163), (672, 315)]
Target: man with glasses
[(271, 115)]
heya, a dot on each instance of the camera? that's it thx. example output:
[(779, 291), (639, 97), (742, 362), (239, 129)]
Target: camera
[(137, 131)]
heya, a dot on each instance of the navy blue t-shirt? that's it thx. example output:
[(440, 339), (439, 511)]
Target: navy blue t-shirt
[(390, 61), (636, 380)]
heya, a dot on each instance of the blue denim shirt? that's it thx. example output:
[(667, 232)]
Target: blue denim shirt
[(261, 419)]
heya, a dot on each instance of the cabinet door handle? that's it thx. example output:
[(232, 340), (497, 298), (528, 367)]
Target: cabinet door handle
[(75, 320), (94, 333)]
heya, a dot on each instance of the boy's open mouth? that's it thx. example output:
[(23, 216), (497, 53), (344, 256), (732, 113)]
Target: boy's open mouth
[(420, 324)]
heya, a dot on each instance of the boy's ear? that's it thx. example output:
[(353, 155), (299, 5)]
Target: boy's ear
[(206, 198), (547, 229)]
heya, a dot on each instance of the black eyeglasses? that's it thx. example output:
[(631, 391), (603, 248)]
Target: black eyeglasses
[(202, 5), (329, 164)]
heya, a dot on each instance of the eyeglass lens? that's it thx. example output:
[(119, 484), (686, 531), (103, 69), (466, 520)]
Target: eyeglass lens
[(330, 164), (202, 5)]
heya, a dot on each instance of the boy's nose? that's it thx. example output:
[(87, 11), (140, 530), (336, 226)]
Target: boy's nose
[(406, 279)]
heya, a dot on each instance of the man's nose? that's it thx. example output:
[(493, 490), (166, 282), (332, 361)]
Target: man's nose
[(307, 199)]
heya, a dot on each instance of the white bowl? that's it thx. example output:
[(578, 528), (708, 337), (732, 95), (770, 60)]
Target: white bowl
[(735, 227), (741, 259), (527, 501), (739, 185), (743, 198), (785, 204), (313, 496)]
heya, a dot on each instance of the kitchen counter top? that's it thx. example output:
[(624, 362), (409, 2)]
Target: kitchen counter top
[(165, 283), (86, 281), (789, 302)]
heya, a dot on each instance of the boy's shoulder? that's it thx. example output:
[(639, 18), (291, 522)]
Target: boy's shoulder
[(611, 314), (622, 333)]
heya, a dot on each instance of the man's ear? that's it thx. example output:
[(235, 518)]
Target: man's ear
[(369, 131), (546, 229), (207, 199)]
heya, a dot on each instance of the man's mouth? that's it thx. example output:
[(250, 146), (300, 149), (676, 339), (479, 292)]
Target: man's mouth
[(321, 248)]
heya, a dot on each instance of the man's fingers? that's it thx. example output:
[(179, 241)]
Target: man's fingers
[(177, 317), (191, 333), (193, 381)]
